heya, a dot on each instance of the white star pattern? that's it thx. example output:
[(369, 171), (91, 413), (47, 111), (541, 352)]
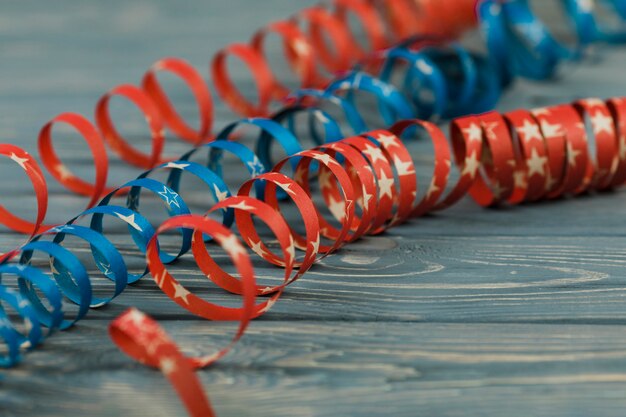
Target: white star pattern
[(180, 292), (291, 250), (168, 365), (301, 47), (387, 140), (170, 197), (471, 165), (231, 245), (520, 179), (256, 167), (384, 185), (374, 153), (536, 164), (474, 132), (286, 187), (572, 154), (365, 199), (337, 208), (106, 268), (324, 178), (136, 317), (130, 220), (431, 189), (175, 165), (160, 279), (490, 133), (257, 247), (403, 168), (63, 172), (243, 206), (20, 161), (316, 245), (550, 130), (602, 123), (220, 195), (61, 229), (267, 290), (529, 131), (269, 305), (325, 159)]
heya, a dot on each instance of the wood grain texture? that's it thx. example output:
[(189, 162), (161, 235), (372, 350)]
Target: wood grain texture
[(510, 312)]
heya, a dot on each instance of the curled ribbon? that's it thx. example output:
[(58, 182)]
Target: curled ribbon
[(367, 181), (431, 88)]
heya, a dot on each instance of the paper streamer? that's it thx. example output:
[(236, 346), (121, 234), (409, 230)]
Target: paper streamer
[(367, 180), (431, 87), (510, 158), (427, 64)]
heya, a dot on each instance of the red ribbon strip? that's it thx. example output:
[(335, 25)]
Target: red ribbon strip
[(368, 184), (303, 50)]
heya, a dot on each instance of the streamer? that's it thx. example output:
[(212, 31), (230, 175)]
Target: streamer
[(513, 157), (430, 83), (501, 158), (542, 154), (302, 51), (427, 65)]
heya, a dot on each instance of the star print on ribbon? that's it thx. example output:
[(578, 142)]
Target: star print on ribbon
[(367, 179), (396, 30), (367, 170)]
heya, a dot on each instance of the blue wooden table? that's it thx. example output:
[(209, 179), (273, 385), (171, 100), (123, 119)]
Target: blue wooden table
[(511, 312)]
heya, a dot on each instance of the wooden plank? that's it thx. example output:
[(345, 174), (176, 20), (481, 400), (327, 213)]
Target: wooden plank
[(313, 368), (514, 312)]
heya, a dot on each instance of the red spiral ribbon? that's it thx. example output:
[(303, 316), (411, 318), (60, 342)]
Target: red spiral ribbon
[(367, 182), (511, 158), (385, 23)]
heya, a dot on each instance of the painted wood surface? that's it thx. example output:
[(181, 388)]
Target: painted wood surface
[(510, 312)]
